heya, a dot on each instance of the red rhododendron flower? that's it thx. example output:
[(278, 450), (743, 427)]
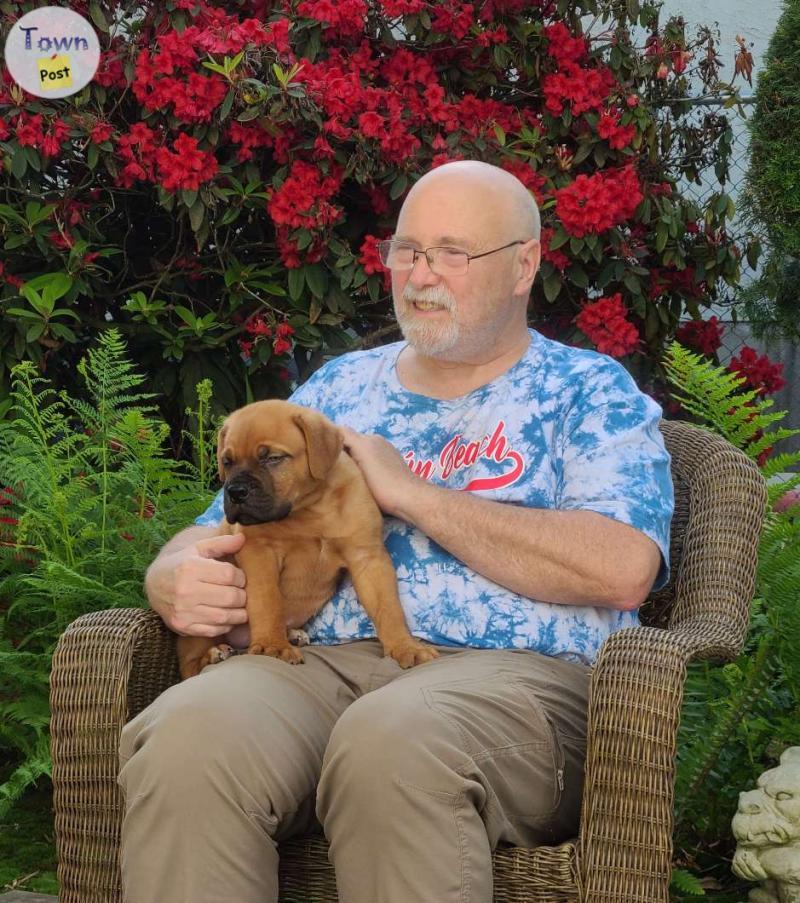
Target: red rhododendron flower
[(371, 125), (759, 372), (604, 322), (618, 136), (563, 46), (394, 8), (188, 167), (51, 142), (704, 335), (29, 130), (101, 132), (370, 259), (558, 258), (281, 346), (256, 325), (344, 18), (4, 130), (592, 204), (453, 20), (302, 200)]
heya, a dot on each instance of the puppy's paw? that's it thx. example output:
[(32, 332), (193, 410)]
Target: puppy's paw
[(298, 637), (219, 653), (409, 652), (283, 651)]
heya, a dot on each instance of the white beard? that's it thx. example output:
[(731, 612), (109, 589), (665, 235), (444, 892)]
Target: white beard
[(429, 339)]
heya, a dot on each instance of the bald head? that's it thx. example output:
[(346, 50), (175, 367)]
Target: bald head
[(494, 198)]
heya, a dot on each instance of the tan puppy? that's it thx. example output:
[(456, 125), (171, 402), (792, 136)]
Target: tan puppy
[(308, 516)]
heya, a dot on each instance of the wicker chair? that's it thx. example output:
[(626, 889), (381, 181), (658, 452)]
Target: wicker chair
[(109, 665)]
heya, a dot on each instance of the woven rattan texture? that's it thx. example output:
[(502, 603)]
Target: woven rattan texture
[(111, 664)]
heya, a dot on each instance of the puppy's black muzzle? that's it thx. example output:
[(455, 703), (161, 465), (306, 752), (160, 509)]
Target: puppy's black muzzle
[(247, 502)]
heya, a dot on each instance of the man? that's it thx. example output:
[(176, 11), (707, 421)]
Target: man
[(528, 501)]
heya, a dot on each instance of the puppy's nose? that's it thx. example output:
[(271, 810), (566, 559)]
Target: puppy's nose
[(238, 492)]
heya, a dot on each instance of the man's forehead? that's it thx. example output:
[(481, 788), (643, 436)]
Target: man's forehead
[(460, 241)]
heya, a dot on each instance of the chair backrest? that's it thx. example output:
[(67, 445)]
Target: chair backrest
[(720, 499)]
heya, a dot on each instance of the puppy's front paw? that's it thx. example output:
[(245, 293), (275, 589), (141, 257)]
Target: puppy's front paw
[(283, 651), (410, 652)]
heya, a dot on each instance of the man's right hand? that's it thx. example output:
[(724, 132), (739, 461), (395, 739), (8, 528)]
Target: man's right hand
[(194, 592)]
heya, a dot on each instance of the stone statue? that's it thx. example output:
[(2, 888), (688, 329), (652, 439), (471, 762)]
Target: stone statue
[(767, 828)]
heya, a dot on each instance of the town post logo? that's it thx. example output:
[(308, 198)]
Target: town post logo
[(52, 52)]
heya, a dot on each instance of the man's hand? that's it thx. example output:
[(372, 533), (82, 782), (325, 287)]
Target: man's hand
[(196, 594), (389, 478)]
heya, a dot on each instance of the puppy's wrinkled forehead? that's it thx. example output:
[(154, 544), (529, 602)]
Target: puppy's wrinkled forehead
[(262, 426)]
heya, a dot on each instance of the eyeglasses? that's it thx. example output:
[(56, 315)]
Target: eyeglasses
[(399, 255)]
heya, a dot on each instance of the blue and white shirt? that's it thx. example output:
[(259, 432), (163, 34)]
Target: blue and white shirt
[(563, 428)]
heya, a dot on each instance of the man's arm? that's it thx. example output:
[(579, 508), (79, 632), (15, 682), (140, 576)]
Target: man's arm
[(569, 557)]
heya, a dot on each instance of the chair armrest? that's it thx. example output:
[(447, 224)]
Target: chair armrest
[(107, 667), (634, 711)]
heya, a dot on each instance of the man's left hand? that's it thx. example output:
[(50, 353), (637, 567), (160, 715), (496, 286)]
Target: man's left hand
[(389, 478)]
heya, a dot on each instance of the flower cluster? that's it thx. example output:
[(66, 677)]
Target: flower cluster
[(303, 199), (592, 204), (258, 328), (703, 335), (758, 371), (185, 167), (582, 86), (604, 322), (147, 157), (618, 136)]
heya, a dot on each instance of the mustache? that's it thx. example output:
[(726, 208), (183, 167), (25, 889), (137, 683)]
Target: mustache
[(435, 294)]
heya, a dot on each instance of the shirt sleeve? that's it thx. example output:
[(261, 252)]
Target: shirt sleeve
[(614, 458), (212, 516)]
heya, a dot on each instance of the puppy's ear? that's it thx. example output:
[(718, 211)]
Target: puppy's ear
[(223, 432), (324, 442)]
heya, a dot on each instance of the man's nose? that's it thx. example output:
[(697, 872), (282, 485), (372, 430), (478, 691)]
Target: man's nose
[(238, 492), (421, 273)]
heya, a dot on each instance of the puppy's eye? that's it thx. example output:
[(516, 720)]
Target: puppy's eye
[(272, 460), (227, 461)]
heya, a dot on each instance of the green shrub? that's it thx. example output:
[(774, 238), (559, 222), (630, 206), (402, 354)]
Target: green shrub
[(773, 184), (217, 190), (92, 493)]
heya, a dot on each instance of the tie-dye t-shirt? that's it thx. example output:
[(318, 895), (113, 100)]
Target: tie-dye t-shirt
[(563, 428)]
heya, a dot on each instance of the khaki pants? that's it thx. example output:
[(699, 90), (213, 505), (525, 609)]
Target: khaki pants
[(414, 776)]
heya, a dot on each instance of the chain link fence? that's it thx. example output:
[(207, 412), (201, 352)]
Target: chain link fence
[(737, 332)]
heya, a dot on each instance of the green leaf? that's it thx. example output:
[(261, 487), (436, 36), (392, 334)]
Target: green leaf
[(317, 280), (189, 196), (297, 281), (226, 105), (186, 315), (398, 186), (36, 301), (92, 156), (197, 214), (35, 330), (552, 287), (97, 16), (19, 163), (16, 241)]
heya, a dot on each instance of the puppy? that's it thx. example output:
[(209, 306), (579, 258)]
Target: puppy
[(308, 516)]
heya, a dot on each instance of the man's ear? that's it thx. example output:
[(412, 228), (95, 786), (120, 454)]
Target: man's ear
[(324, 442), (530, 256), (223, 432)]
